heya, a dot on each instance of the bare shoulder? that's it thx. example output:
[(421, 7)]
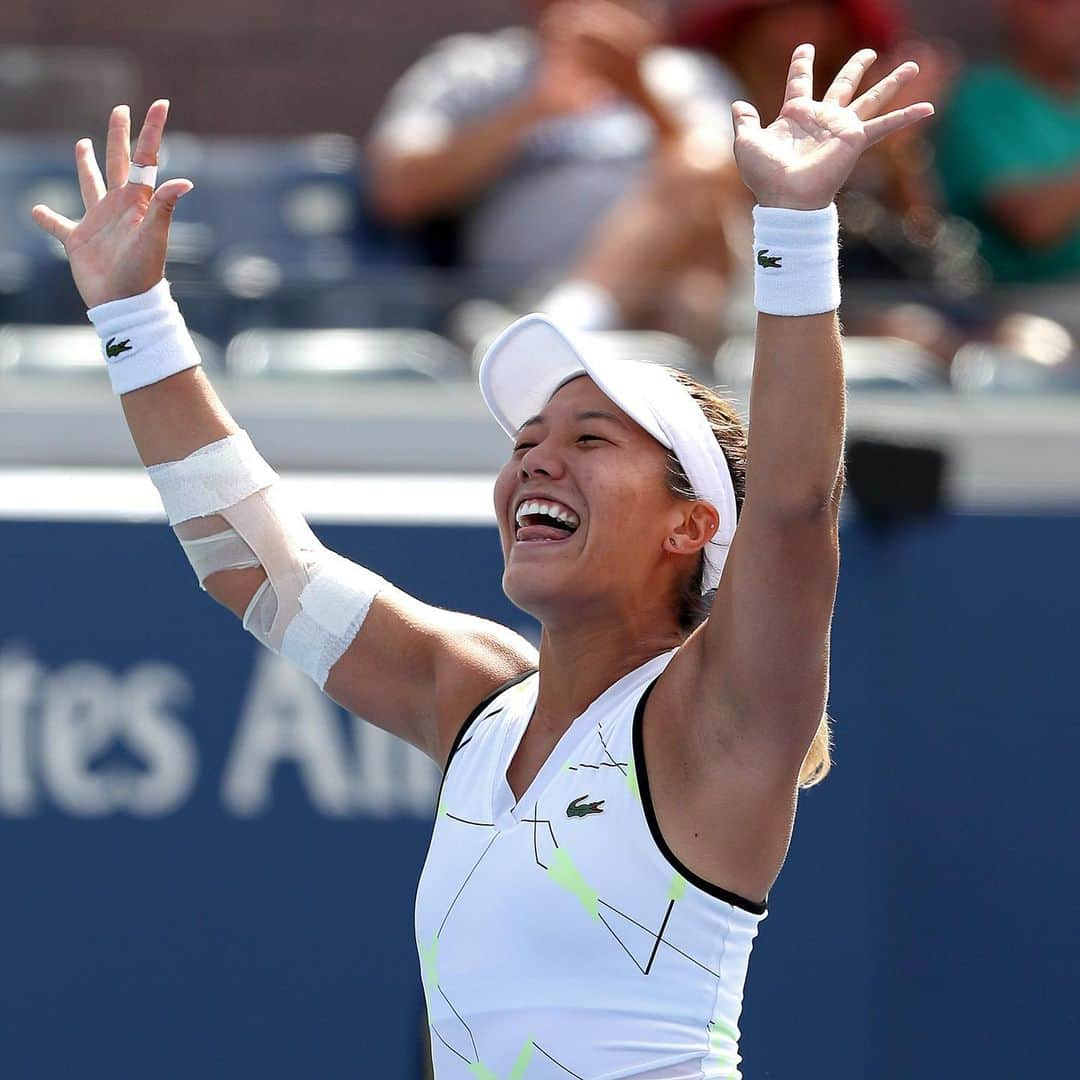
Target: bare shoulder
[(417, 670)]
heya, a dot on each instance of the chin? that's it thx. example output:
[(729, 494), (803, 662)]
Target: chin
[(537, 590)]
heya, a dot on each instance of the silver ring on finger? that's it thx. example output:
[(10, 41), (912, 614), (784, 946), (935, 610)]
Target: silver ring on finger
[(143, 174)]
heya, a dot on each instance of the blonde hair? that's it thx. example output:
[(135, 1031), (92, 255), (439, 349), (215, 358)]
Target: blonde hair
[(730, 432)]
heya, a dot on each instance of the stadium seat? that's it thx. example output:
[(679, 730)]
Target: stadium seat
[(364, 354), (870, 363), (27, 349), (652, 346), (982, 368)]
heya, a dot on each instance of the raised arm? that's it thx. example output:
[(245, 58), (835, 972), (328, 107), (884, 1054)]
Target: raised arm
[(412, 669), (765, 649)]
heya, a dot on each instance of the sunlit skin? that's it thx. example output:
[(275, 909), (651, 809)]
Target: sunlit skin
[(621, 570)]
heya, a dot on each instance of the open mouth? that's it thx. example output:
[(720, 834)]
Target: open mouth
[(544, 520)]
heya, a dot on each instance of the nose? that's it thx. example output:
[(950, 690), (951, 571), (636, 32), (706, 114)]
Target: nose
[(541, 460)]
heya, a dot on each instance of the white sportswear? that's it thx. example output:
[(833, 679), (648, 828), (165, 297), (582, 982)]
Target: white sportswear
[(558, 935)]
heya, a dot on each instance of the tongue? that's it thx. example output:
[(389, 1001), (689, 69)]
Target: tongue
[(542, 532)]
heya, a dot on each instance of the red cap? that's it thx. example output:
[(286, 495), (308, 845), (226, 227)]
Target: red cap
[(709, 24)]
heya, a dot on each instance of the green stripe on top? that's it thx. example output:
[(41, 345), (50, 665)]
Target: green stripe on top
[(523, 1059), (563, 872), (631, 779), (482, 1072), (429, 962), (678, 887), (718, 1027)]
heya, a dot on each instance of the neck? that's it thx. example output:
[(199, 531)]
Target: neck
[(1043, 68), (579, 662)]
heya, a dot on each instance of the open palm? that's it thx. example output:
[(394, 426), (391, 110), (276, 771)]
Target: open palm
[(803, 157), (118, 248)]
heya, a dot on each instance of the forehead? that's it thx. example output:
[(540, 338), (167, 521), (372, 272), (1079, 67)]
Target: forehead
[(580, 395)]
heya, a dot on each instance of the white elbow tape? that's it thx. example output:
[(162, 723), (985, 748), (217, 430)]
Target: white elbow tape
[(313, 602), (215, 476), (225, 550), (796, 260), (144, 338)]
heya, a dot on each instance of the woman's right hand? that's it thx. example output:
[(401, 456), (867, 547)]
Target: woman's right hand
[(118, 248)]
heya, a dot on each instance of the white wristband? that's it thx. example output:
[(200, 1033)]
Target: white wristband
[(796, 260), (144, 338)]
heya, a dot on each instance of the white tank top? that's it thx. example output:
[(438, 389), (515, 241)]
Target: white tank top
[(558, 934)]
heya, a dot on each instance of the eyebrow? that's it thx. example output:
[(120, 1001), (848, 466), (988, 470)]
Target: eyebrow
[(589, 414)]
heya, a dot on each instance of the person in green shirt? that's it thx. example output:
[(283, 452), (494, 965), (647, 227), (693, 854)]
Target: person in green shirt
[(1009, 145)]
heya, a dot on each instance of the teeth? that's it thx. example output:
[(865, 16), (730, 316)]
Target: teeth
[(534, 506)]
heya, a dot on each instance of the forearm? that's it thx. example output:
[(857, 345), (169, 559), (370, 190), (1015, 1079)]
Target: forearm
[(797, 414), (411, 184), (171, 419), (1041, 213)]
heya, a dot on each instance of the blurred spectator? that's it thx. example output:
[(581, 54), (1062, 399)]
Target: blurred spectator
[(893, 228), (755, 38), (1009, 148), (579, 151)]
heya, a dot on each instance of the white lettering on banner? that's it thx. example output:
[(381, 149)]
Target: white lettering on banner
[(55, 729), (93, 743), (152, 732), (19, 676), (287, 721)]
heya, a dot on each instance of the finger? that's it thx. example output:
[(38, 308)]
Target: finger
[(800, 78), (118, 147), (160, 211), (848, 78), (883, 126), (91, 185), (149, 142), (53, 223), (881, 93), (744, 116)]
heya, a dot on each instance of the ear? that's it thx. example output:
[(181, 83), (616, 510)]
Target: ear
[(695, 528)]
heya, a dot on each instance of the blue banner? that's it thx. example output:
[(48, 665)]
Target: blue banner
[(208, 867)]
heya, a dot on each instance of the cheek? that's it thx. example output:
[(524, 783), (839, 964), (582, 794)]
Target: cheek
[(504, 486)]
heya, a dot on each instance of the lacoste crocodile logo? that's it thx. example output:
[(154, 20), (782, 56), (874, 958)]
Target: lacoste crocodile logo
[(770, 262), (115, 348), (584, 809)]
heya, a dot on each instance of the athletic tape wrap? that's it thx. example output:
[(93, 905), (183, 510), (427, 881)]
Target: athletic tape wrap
[(214, 477), (142, 174), (796, 260), (144, 338), (225, 550), (229, 513)]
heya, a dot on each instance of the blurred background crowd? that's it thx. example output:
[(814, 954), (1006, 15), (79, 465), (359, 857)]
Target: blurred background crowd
[(441, 169)]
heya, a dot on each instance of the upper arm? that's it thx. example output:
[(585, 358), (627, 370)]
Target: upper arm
[(761, 660), (413, 669), (417, 670)]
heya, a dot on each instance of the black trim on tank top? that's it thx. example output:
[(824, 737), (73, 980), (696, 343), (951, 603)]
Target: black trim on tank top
[(654, 826), (471, 719)]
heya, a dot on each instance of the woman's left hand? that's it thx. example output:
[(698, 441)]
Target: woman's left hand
[(802, 159)]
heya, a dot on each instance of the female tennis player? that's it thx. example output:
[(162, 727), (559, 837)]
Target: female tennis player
[(615, 810)]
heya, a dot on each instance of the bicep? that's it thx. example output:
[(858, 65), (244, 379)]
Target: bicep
[(764, 651), (417, 671)]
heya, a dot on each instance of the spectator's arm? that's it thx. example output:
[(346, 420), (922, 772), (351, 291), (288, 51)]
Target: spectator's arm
[(1037, 213), (419, 173)]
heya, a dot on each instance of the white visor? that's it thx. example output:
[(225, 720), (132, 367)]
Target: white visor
[(532, 358)]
